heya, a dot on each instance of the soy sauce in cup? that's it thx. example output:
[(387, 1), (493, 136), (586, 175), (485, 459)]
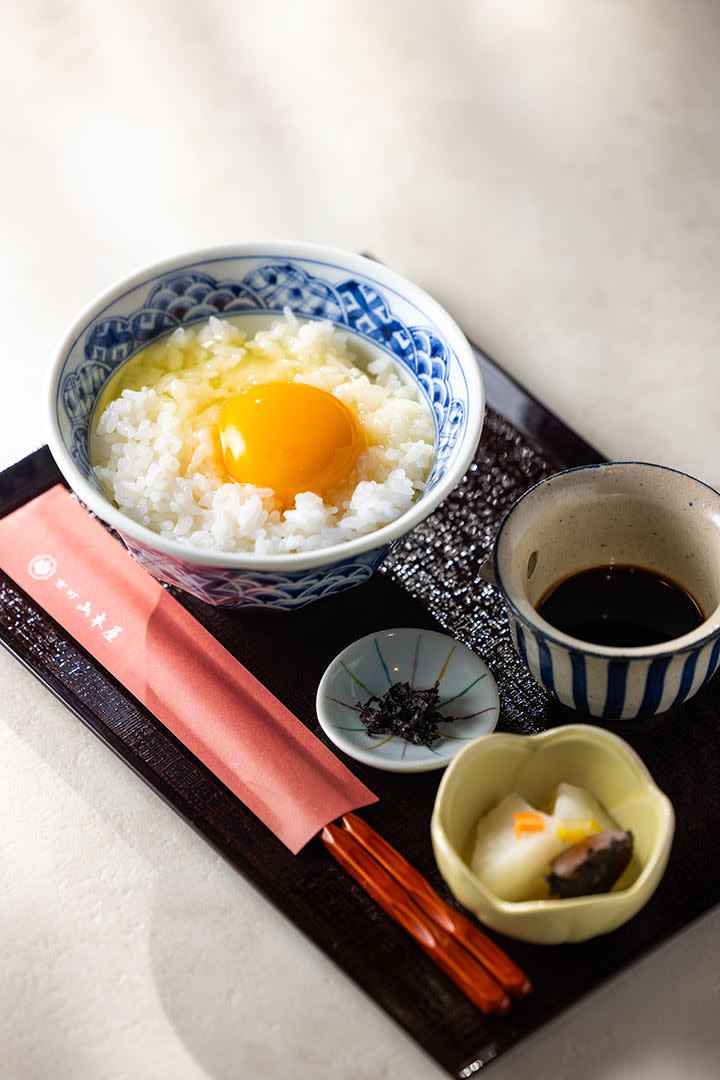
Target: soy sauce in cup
[(656, 533), (620, 606)]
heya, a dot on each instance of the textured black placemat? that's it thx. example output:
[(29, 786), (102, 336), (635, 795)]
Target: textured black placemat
[(430, 580)]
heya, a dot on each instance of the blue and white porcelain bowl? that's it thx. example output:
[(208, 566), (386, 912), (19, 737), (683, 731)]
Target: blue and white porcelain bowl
[(624, 513), (360, 296)]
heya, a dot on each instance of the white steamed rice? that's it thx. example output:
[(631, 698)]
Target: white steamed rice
[(156, 453)]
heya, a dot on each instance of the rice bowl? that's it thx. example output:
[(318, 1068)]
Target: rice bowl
[(382, 313)]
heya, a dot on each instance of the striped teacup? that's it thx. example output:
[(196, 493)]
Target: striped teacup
[(624, 513)]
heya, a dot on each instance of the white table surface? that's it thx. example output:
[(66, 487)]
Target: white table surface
[(549, 170)]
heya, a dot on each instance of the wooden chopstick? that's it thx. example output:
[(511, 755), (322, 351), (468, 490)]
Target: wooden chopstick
[(508, 974), (471, 977)]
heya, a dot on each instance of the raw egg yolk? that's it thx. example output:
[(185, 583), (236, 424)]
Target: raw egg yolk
[(290, 437)]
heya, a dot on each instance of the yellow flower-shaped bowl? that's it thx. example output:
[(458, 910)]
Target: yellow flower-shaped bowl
[(490, 768)]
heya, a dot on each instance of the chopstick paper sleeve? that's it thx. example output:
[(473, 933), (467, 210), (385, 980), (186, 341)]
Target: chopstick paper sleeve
[(73, 568)]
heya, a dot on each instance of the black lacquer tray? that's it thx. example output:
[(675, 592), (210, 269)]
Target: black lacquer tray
[(431, 579)]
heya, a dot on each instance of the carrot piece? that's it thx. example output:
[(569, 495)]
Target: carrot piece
[(528, 822)]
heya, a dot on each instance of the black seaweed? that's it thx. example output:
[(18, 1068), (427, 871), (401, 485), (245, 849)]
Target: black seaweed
[(402, 710)]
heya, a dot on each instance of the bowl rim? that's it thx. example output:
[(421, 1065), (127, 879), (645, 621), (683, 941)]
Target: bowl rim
[(293, 561), (528, 616), (611, 900)]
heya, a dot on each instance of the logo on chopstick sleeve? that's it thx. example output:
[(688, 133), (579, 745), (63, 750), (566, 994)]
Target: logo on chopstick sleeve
[(44, 567)]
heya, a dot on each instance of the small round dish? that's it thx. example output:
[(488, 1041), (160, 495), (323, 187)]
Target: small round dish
[(421, 657)]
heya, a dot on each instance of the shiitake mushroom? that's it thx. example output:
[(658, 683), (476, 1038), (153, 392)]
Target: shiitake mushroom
[(591, 866)]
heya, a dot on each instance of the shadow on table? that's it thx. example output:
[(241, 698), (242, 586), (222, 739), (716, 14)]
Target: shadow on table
[(660, 1020)]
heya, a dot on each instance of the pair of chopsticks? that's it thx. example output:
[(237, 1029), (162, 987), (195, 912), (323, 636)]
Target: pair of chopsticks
[(484, 973)]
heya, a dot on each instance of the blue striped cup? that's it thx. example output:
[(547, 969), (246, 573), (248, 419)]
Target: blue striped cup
[(624, 512)]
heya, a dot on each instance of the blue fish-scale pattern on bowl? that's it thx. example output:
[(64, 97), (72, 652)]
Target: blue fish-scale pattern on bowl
[(257, 589), (189, 296)]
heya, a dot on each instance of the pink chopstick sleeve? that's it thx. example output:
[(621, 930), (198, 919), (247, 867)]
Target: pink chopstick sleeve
[(73, 568)]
